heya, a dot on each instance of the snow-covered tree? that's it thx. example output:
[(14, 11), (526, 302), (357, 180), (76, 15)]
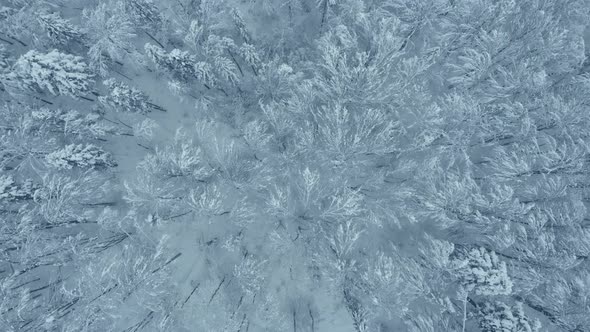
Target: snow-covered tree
[(34, 248), (135, 275), (123, 97), (483, 273), (162, 177), (3, 58), (23, 141), (79, 155), (145, 14), (59, 30), (56, 72), (110, 32), (180, 64), (12, 191), (500, 317), (74, 123)]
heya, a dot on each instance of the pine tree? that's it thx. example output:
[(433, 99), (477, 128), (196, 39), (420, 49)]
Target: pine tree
[(500, 317), (78, 155), (59, 73), (124, 98), (482, 272), (59, 30), (179, 63)]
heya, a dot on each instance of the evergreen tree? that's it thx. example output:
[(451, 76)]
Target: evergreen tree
[(59, 73), (60, 31), (88, 156), (122, 97)]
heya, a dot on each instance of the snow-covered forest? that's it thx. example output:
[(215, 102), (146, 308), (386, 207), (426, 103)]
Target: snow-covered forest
[(295, 165)]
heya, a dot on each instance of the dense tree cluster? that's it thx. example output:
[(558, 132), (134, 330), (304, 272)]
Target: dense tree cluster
[(350, 165)]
